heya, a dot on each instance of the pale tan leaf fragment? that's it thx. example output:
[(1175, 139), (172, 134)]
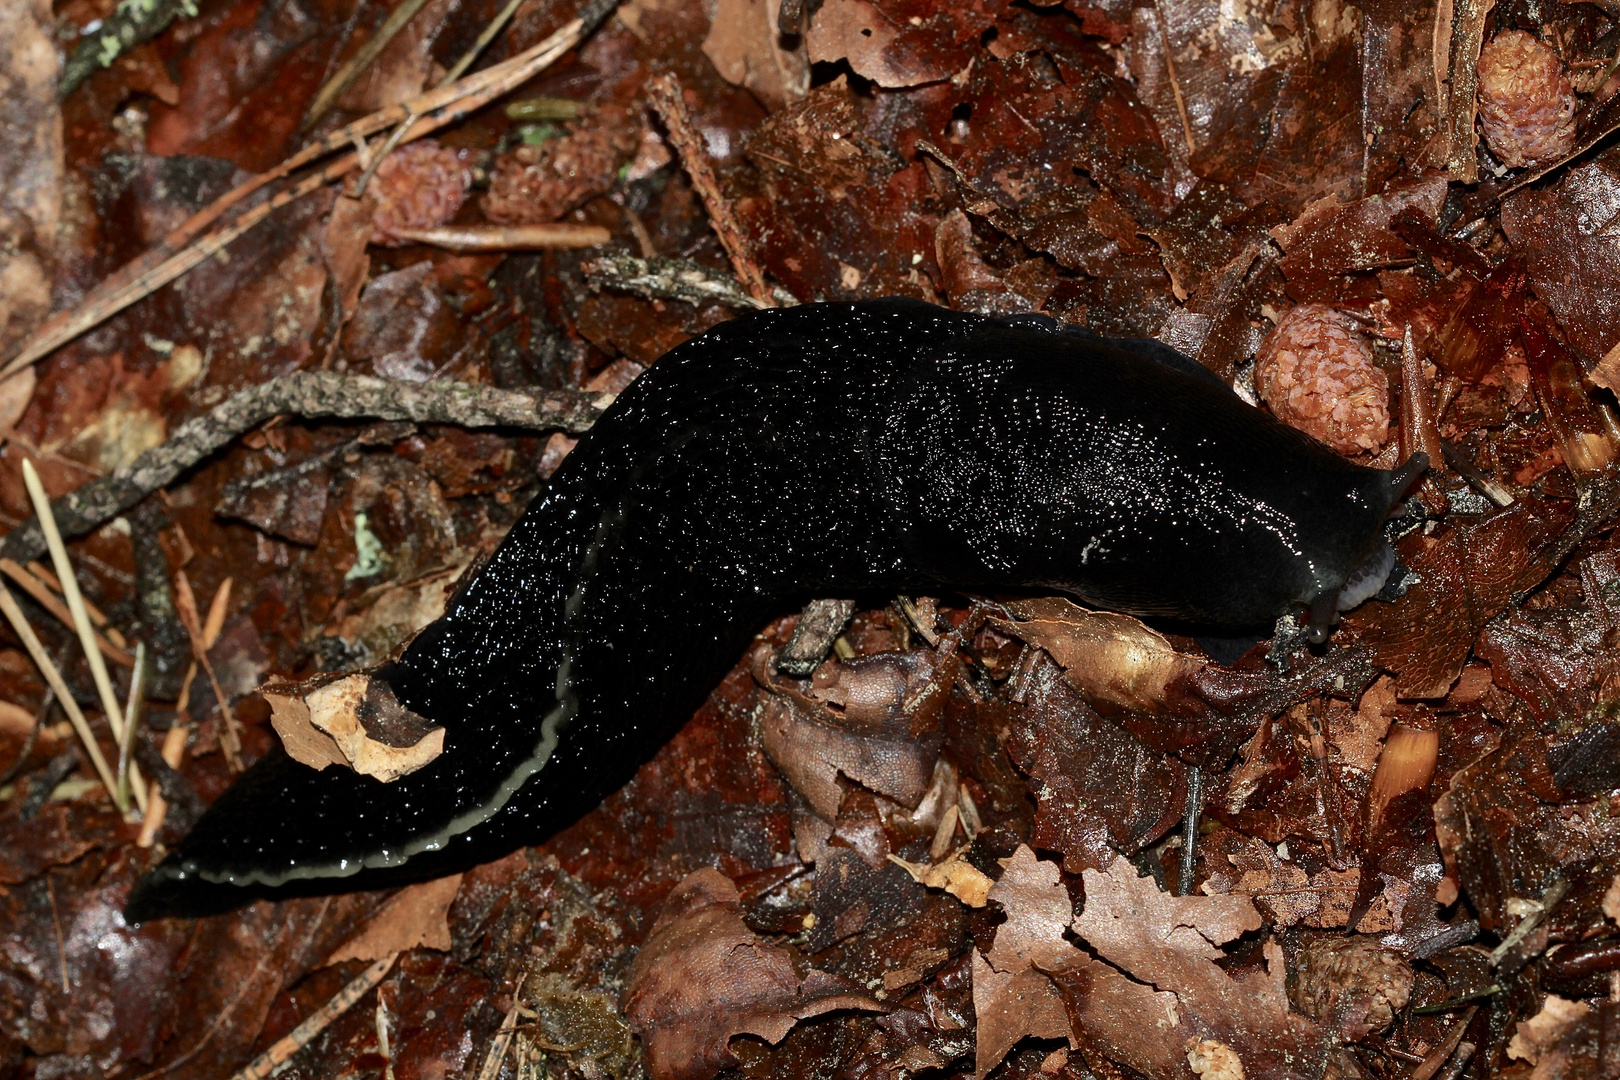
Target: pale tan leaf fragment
[(416, 916), (354, 721)]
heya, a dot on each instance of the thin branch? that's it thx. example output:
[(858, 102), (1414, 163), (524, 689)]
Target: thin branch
[(667, 97), (308, 394), (672, 279), (272, 1059)]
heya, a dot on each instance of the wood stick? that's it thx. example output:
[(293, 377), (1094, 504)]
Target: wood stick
[(667, 97), (267, 1063), (308, 394)]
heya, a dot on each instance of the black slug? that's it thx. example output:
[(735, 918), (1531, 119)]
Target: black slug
[(828, 449)]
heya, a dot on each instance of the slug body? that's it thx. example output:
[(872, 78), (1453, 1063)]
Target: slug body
[(830, 449)]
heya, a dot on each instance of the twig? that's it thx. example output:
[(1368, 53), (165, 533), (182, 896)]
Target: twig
[(1175, 84), (308, 394), (134, 706), (1437, 1057), (157, 806), (556, 234), (175, 255), (46, 599), (1191, 811), (672, 279), (126, 27), (666, 95), (56, 921), (499, 1045), (344, 77), (53, 679), (261, 1067), (81, 620)]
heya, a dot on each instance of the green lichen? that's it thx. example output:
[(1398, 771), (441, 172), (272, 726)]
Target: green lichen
[(369, 555)]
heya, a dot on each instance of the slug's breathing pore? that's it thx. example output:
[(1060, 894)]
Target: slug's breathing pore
[(824, 450)]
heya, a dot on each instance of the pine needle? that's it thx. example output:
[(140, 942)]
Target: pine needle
[(81, 619), (53, 679)]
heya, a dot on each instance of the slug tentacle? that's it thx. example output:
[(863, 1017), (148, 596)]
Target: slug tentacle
[(826, 449)]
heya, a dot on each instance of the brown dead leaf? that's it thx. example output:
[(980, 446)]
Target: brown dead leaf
[(704, 977), (353, 721), (30, 166), (1098, 790), (897, 44), (1172, 943), (416, 916), (1012, 995), (746, 48), (1497, 826), (1559, 1041), (1330, 238), (1470, 573), (1113, 659), (1283, 891), (1564, 233), (874, 719)]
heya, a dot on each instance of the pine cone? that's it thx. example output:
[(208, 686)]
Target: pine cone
[(1526, 106), (419, 186), (532, 185), (1318, 375)]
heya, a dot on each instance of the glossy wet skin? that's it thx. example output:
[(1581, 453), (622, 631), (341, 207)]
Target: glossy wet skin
[(831, 449)]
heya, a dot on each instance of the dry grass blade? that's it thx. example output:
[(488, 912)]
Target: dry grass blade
[(134, 706), (272, 1059), (362, 59), (185, 605), (53, 679), (177, 254), (386, 146), (42, 595), (81, 619)]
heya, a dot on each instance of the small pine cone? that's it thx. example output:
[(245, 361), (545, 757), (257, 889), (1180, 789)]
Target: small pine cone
[(1526, 106), (532, 185), (1318, 376), (419, 186)]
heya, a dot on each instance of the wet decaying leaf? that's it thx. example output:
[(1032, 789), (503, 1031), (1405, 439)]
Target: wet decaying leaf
[(1006, 837), (703, 978)]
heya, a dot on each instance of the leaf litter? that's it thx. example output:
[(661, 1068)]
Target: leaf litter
[(958, 845)]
